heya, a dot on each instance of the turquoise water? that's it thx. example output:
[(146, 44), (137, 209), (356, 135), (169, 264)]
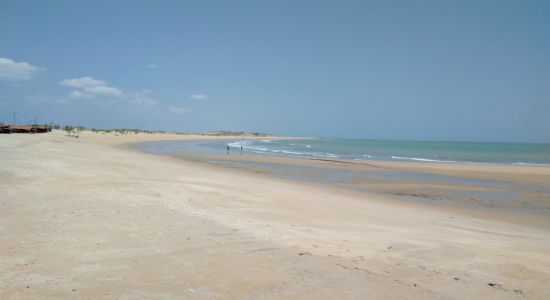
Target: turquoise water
[(459, 152)]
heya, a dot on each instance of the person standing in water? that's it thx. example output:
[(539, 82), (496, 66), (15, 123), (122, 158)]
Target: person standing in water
[(241, 150), (227, 149)]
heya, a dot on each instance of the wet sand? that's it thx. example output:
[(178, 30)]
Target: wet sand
[(505, 191), (94, 218)]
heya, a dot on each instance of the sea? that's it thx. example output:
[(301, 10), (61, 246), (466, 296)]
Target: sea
[(357, 149), (422, 151), (480, 192)]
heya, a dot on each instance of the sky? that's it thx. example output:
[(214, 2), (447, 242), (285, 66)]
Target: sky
[(415, 70)]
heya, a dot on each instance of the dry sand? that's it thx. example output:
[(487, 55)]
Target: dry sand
[(91, 218)]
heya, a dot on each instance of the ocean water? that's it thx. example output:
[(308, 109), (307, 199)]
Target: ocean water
[(480, 192), (423, 151)]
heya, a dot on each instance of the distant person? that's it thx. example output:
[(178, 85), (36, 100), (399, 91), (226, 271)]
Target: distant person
[(241, 150), (227, 149)]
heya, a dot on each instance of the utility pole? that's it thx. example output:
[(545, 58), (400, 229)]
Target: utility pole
[(14, 117), (35, 121)]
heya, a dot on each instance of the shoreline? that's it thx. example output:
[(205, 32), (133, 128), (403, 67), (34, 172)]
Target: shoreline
[(503, 174), (90, 218), (322, 152), (461, 167), (508, 216)]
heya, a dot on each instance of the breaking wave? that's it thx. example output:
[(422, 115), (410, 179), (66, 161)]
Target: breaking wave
[(250, 146)]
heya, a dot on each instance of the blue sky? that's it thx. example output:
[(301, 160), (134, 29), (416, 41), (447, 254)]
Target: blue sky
[(429, 70)]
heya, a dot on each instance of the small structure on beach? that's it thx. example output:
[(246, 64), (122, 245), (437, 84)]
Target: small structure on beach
[(7, 128)]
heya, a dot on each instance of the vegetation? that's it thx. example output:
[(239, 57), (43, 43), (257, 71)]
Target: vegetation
[(124, 131), (68, 128), (235, 133)]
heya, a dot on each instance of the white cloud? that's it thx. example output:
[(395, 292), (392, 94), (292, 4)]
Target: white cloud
[(198, 97), (152, 66), (104, 90), (76, 94), (103, 93), (83, 82), (16, 71), (143, 98), (178, 110), (89, 87)]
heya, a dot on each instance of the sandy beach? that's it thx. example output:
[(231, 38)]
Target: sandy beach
[(94, 218)]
